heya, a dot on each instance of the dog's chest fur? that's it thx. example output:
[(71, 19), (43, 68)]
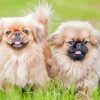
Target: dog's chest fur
[(72, 71), (23, 68)]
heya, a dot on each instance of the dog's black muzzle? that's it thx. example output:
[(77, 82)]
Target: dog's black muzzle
[(77, 51)]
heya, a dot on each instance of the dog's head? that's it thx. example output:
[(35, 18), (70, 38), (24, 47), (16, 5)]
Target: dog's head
[(18, 32), (75, 39)]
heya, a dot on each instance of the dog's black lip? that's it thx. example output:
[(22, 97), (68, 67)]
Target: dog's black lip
[(13, 45), (21, 45), (77, 50), (74, 59)]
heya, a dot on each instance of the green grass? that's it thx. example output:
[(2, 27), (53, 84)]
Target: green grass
[(63, 10), (53, 91)]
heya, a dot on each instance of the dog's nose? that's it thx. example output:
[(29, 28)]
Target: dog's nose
[(17, 35), (78, 45)]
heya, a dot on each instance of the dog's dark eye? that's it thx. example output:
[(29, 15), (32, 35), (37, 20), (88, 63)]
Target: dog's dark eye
[(26, 31), (71, 42), (85, 42), (8, 32)]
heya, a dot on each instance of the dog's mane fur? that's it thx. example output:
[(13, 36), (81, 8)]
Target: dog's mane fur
[(84, 72), (26, 66)]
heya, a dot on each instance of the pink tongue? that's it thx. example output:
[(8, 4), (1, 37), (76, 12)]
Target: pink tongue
[(17, 42), (78, 52)]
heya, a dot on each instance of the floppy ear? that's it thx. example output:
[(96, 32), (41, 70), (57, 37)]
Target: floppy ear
[(38, 35), (95, 40), (56, 39), (98, 39)]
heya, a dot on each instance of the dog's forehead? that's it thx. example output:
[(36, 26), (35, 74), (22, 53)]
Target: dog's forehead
[(74, 27), (15, 23), (20, 22), (72, 31)]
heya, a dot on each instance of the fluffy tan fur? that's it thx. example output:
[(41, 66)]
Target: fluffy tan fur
[(82, 73), (25, 66)]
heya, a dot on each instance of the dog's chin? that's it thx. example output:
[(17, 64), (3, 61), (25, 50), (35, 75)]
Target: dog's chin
[(77, 55), (18, 45)]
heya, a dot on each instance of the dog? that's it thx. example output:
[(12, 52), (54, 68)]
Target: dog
[(75, 57), (24, 50)]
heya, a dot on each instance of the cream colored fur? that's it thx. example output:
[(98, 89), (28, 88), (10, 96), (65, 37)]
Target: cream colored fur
[(26, 66), (83, 73), (23, 67)]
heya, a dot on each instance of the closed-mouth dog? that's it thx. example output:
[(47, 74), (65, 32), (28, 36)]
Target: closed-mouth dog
[(76, 54)]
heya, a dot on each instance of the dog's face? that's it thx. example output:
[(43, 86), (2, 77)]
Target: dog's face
[(77, 49), (77, 46), (18, 34), (76, 42)]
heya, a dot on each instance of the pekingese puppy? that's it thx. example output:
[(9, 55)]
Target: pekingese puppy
[(76, 54), (24, 52)]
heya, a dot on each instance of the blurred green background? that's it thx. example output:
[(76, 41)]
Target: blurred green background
[(63, 10)]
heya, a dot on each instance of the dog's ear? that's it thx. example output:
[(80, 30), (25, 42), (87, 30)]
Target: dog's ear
[(38, 35), (56, 39), (95, 40)]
